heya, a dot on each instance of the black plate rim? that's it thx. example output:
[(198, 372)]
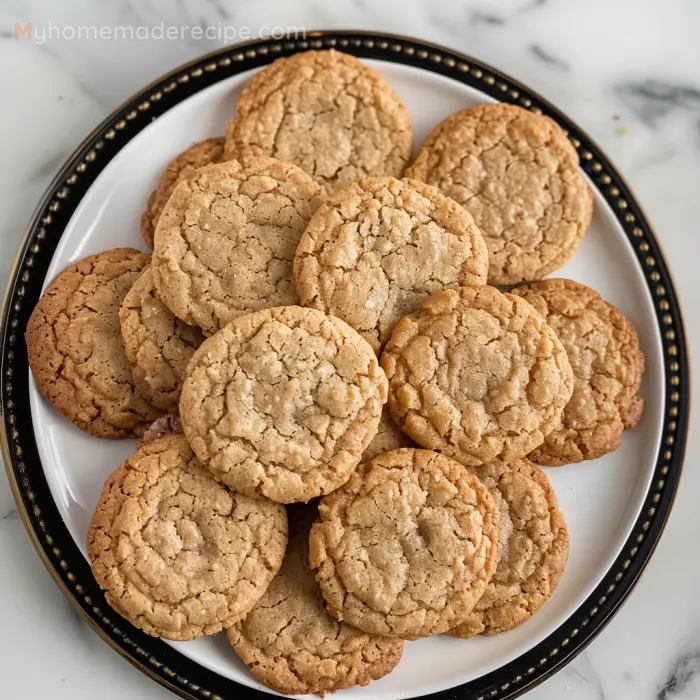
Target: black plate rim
[(49, 535)]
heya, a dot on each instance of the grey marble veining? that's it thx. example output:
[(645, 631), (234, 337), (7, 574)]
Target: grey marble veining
[(547, 57), (630, 78), (683, 679), (652, 100)]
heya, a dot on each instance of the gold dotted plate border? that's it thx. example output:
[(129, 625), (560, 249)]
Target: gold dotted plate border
[(50, 537)]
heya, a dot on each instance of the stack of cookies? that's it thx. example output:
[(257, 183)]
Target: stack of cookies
[(340, 413)]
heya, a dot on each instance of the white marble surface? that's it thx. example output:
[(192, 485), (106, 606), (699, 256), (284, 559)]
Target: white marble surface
[(627, 72)]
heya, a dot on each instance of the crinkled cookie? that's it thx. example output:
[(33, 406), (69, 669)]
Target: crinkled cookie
[(225, 240), (75, 349), (180, 168), (283, 402), (158, 345), (378, 248), (326, 112), (407, 546), (603, 349), (292, 644), (533, 548), (517, 174), (477, 375), (178, 554)]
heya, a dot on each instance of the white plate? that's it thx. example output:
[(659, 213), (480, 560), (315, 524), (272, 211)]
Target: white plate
[(600, 499)]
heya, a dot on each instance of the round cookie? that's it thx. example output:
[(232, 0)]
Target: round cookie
[(477, 375), (533, 546), (517, 174), (161, 427), (603, 349), (158, 345), (378, 248), (75, 349), (178, 554), (388, 438), (292, 644), (226, 240), (283, 402), (326, 112), (407, 546), (196, 156)]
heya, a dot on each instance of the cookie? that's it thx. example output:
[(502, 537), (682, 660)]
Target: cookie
[(226, 240), (326, 112), (75, 349), (291, 643), (477, 375), (178, 554), (196, 156), (283, 402), (517, 174), (388, 438), (160, 427), (533, 547), (230, 152), (407, 546), (603, 349), (378, 248), (158, 345)]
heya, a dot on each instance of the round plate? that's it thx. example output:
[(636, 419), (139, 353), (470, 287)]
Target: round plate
[(615, 507)]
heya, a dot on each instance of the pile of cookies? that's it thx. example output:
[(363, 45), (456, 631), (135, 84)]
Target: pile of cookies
[(340, 413)]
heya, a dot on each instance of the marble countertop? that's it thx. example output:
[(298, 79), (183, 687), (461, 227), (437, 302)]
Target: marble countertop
[(627, 72)]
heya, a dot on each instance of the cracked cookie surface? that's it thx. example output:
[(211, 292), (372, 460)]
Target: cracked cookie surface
[(533, 543), (178, 554), (326, 112), (477, 375), (75, 349), (282, 402), (181, 167), (158, 345), (378, 248), (225, 240), (517, 174), (407, 546), (292, 644), (603, 349)]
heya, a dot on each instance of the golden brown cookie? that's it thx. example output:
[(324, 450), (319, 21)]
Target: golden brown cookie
[(196, 156), (326, 112), (517, 174), (161, 427), (407, 546), (178, 554), (533, 546), (378, 248), (388, 438), (226, 239), (283, 402), (603, 349), (75, 349), (292, 644), (158, 345), (230, 152), (477, 375)]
